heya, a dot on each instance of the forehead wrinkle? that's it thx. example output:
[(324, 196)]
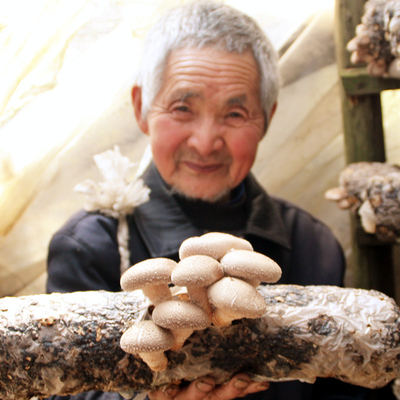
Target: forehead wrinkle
[(181, 59)]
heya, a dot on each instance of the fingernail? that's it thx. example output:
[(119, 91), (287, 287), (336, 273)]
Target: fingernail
[(241, 384), (204, 387), (171, 391)]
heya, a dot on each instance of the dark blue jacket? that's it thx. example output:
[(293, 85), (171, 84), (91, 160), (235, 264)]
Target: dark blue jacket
[(83, 255)]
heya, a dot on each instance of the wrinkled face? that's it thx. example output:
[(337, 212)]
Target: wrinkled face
[(206, 121)]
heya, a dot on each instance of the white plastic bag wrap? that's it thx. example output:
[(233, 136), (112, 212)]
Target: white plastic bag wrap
[(69, 343)]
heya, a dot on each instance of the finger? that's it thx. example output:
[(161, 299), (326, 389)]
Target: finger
[(197, 390), (255, 387), (168, 393), (232, 389), (240, 385)]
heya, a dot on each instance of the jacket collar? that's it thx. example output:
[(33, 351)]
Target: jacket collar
[(163, 226)]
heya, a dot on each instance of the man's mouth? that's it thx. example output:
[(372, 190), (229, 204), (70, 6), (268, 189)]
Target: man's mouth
[(202, 168)]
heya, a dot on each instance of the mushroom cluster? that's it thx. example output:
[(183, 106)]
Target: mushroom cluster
[(231, 293), (372, 190), (377, 38), (220, 273)]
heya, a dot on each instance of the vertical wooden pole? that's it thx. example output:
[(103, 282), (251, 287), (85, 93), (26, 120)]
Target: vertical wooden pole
[(364, 141)]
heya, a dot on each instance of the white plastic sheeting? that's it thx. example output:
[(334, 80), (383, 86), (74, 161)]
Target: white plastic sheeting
[(67, 67)]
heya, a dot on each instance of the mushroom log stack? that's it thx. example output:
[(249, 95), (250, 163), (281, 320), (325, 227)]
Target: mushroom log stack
[(220, 272), (371, 189)]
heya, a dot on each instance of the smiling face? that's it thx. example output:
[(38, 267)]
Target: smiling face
[(206, 121)]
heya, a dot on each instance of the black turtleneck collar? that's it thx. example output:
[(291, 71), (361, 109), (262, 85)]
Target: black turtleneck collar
[(208, 216), (167, 220)]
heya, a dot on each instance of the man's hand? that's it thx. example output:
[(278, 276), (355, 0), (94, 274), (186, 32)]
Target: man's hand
[(205, 389)]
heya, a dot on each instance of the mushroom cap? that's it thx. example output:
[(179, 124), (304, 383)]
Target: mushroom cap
[(180, 314), (146, 337), (212, 244), (153, 271), (197, 270), (251, 265), (237, 298)]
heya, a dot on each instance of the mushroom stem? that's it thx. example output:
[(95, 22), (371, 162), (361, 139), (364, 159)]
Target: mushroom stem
[(180, 336), (157, 293), (198, 295), (157, 361)]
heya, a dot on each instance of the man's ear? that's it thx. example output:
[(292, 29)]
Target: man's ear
[(273, 109), (137, 106), (271, 114)]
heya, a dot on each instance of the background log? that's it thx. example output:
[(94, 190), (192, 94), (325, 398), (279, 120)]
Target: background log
[(69, 343)]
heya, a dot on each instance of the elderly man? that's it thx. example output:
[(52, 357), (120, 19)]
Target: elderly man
[(205, 95)]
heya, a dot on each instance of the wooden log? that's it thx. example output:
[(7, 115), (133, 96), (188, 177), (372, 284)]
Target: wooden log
[(69, 343)]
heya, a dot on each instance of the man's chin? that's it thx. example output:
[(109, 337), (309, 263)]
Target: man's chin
[(218, 197)]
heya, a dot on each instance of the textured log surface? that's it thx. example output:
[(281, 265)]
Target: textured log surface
[(69, 343)]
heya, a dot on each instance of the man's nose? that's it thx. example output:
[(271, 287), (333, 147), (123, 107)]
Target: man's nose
[(206, 137)]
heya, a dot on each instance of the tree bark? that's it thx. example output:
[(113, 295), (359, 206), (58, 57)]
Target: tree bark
[(69, 343)]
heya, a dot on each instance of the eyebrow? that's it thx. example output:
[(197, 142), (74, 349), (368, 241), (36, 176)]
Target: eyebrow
[(183, 95), (241, 100)]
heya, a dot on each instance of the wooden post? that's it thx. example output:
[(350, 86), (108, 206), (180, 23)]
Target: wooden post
[(364, 141)]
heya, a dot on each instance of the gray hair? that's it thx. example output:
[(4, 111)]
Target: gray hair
[(202, 24)]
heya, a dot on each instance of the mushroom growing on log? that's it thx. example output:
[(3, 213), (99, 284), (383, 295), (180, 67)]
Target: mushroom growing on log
[(148, 341), (371, 189), (152, 276), (212, 244), (69, 343), (234, 299), (251, 266), (181, 317), (197, 273)]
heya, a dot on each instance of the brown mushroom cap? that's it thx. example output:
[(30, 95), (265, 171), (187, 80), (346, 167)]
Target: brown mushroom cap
[(235, 299), (197, 273), (180, 314), (197, 270), (149, 341), (153, 271), (212, 244), (146, 337), (152, 276), (182, 318), (250, 265)]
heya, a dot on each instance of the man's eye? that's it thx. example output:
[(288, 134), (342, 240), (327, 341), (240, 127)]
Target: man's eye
[(235, 114), (182, 108)]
